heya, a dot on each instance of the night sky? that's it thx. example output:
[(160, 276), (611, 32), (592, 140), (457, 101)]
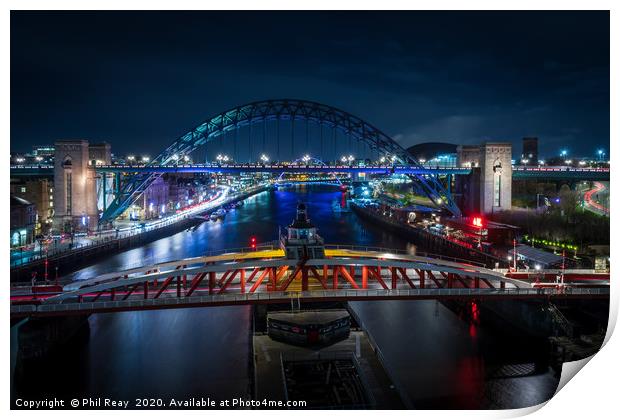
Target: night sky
[(139, 80)]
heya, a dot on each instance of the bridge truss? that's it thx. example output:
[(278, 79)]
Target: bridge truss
[(268, 277), (276, 110)]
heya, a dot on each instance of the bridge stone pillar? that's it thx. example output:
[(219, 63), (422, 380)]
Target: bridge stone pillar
[(75, 196), (489, 186), (495, 177)]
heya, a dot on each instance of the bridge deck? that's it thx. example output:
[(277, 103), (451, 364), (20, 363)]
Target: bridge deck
[(267, 276)]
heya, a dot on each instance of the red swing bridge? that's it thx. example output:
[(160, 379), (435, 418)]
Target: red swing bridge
[(299, 267)]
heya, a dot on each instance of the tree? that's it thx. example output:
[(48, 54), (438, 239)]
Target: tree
[(569, 200)]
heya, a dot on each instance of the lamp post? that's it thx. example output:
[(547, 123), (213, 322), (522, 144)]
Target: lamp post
[(514, 253)]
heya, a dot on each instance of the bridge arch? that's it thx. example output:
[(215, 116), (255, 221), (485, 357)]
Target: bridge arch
[(312, 161), (280, 109)]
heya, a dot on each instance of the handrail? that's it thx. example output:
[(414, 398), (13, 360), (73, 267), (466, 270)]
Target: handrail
[(403, 252)]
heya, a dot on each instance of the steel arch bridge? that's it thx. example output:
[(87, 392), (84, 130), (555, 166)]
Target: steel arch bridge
[(311, 160), (276, 110)]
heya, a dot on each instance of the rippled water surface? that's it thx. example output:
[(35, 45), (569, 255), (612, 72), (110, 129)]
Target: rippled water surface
[(438, 357)]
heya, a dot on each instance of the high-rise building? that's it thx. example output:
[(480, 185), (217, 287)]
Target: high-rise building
[(530, 150)]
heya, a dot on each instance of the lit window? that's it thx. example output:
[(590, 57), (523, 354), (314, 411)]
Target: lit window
[(23, 189)]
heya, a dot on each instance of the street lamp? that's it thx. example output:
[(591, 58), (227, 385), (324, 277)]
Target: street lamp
[(186, 158), (264, 158), (541, 162), (601, 154), (306, 158), (145, 159), (563, 153), (131, 158)]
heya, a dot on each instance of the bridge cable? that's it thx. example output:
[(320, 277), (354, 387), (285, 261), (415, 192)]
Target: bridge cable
[(250, 141), (235, 142), (321, 128), (264, 134), (334, 141), (293, 137)]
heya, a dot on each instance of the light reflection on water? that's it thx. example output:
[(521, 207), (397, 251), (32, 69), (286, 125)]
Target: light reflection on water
[(438, 358)]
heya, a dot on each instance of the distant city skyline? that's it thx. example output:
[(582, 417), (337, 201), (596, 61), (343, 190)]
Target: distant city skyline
[(138, 80)]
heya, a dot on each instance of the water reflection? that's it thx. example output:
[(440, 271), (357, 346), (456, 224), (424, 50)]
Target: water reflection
[(438, 358)]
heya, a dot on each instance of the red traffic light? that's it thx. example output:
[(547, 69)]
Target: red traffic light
[(253, 241)]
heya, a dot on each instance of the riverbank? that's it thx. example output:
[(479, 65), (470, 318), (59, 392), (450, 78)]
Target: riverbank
[(428, 241), (70, 261)]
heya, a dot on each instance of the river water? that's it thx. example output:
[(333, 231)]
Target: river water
[(439, 357)]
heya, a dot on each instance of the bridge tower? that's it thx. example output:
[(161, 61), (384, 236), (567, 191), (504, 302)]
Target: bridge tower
[(75, 197), (489, 187), (302, 240)]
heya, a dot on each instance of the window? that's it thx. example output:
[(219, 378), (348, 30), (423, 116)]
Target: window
[(68, 180), (497, 190), (23, 189)]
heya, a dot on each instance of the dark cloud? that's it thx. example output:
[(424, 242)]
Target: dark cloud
[(140, 79)]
